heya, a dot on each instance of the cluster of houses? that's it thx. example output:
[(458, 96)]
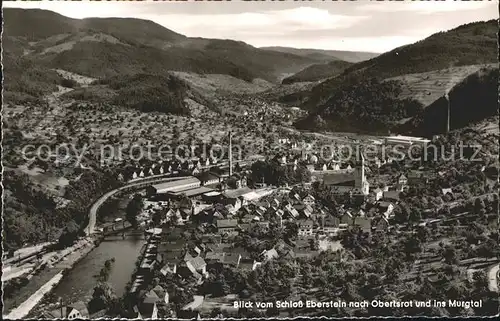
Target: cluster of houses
[(201, 239), (193, 166), (174, 251), (74, 311)]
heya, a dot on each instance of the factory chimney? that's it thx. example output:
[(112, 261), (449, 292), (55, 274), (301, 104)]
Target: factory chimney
[(448, 111), (61, 308), (230, 155)]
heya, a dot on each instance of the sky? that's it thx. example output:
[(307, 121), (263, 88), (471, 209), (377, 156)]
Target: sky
[(364, 25)]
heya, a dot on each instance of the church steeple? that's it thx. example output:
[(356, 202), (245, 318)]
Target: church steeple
[(360, 181)]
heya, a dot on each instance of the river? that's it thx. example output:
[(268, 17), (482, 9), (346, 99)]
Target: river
[(79, 282)]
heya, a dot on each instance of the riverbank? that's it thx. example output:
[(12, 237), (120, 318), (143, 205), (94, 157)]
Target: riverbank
[(68, 258), (29, 296)]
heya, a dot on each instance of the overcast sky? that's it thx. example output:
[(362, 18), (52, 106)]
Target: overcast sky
[(357, 26)]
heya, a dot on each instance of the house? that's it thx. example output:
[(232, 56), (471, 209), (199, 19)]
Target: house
[(391, 196), (401, 183), (306, 228), (364, 223), (261, 210), (380, 224), (447, 191), (290, 211), (263, 224), (191, 310), (215, 258), (186, 272), (209, 178), (237, 202), (275, 203), (309, 200), (417, 177), (268, 255), (296, 198), (385, 208), (77, 310), (378, 194), (149, 307), (197, 264), (231, 210), (169, 268), (307, 212), (346, 219), (241, 182), (200, 248), (233, 259), (227, 226), (330, 224)]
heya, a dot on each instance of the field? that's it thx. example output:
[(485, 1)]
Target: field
[(427, 87), (210, 84)]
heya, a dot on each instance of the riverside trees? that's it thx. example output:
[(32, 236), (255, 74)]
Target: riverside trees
[(134, 207)]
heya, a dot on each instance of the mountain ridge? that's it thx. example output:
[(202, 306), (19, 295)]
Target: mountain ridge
[(163, 46), (326, 55), (470, 44)]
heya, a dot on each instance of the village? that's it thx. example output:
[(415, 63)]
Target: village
[(230, 218)]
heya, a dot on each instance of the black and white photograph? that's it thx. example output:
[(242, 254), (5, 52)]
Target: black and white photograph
[(250, 159)]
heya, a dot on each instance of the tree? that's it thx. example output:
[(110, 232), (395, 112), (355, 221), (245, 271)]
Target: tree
[(272, 312), (105, 271), (478, 205), (450, 255), (157, 216), (69, 235), (103, 297), (415, 215), (303, 175), (134, 207), (402, 213)]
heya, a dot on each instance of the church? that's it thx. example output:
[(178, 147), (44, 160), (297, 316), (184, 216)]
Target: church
[(354, 182)]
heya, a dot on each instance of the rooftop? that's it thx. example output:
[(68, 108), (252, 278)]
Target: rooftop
[(235, 193), (227, 223), (409, 138), (194, 191), (338, 178), (195, 304), (213, 193), (176, 183)]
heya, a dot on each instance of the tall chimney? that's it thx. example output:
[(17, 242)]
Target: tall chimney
[(61, 307), (230, 155), (448, 112)]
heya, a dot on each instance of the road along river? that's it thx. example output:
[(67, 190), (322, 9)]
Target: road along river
[(78, 281)]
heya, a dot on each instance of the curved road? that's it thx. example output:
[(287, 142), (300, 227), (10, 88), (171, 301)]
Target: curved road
[(89, 229)]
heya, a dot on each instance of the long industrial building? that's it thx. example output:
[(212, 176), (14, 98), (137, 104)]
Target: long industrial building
[(174, 186), (406, 140)]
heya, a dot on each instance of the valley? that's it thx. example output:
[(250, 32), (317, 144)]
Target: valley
[(198, 164)]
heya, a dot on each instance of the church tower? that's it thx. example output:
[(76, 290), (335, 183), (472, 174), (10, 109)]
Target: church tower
[(360, 181)]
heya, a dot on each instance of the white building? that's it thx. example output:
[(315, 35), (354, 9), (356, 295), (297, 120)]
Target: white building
[(405, 140)]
